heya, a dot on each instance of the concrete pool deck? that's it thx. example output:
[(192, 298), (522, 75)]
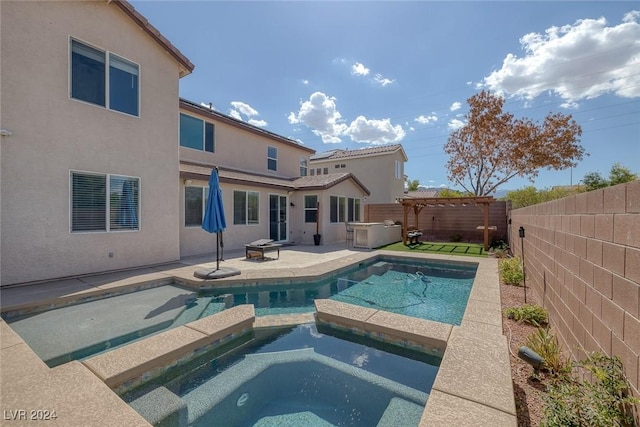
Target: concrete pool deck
[(473, 386)]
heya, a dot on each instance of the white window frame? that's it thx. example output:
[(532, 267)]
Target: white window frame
[(271, 158), (107, 203), (247, 220), (205, 196), (311, 208), (304, 166), (107, 100), (398, 170)]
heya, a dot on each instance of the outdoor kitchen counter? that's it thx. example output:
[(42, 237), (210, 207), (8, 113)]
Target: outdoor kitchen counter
[(375, 234)]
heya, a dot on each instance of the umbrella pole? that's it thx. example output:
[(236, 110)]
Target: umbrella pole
[(217, 249)]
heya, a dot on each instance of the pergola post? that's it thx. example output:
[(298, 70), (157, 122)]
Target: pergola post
[(486, 226)]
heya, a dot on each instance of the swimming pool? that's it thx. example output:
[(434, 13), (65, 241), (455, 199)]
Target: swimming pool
[(430, 290), (299, 376)]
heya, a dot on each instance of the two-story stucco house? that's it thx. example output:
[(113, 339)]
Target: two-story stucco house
[(266, 187), (380, 169), (89, 108), (104, 168)]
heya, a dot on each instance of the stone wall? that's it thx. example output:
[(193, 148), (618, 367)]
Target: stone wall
[(582, 261)]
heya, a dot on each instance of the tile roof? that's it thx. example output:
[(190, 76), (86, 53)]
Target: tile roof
[(422, 194), (202, 172), (340, 154), (152, 31)]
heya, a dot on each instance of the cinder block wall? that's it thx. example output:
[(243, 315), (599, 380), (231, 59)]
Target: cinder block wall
[(441, 223), (582, 260)]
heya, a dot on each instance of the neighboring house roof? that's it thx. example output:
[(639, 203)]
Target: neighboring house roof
[(318, 182), (131, 12), (199, 109), (363, 152), (422, 194)]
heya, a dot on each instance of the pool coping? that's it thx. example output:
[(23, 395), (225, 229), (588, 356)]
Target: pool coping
[(467, 376)]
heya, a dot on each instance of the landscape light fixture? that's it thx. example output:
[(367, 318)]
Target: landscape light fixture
[(524, 274)]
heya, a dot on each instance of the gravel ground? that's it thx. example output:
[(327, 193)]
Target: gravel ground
[(528, 393)]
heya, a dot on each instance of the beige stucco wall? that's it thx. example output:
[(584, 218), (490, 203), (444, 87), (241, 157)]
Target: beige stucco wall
[(243, 150), (53, 134), (582, 260), (196, 241), (376, 172)]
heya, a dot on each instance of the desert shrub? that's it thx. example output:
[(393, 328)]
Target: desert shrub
[(528, 313), (547, 346), (456, 237), (511, 271), (605, 401)]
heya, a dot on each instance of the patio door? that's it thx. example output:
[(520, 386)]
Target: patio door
[(278, 217)]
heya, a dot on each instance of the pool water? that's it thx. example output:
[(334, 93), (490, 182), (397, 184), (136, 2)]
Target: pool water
[(427, 290), (301, 376)]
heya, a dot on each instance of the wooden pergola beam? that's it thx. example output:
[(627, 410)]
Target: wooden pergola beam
[(417, 204)]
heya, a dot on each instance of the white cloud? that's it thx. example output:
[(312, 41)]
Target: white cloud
[(245, 109), (455, 124), (455, 106), (305, 82), (259, 123), (359, 69), (383, 81), (319, 113), (374, 131), (244, 112), (424, 120), (579, 61), (208, 105)]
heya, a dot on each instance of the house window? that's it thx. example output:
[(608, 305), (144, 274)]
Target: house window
[(272, 158), (105, 79), (303, 166), (337, 207), (353, 209), (312, 172), (398, 170), (325, 171), (337, 166), (310, 209), (196, 133), (318, 171), (102, 202), (245, 207), (195, 201)]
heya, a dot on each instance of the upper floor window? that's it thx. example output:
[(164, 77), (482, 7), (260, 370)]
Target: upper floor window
[(105, 79), (325, 171), (196, 133), (245, 207), (310, 208), (303, 166), (272, 158), (398, 170), (195, 201), (103, 202), (312, 171)]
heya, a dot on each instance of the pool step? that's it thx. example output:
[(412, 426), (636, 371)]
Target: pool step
[(401, 412), (201, 307)]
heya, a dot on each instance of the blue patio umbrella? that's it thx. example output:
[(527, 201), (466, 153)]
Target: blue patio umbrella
[(128, 213), (214, 220)]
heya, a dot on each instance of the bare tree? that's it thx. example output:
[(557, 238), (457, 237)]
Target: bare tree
[(494, 146)]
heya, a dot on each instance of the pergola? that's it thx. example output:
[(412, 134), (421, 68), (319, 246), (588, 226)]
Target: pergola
[(417, 204)]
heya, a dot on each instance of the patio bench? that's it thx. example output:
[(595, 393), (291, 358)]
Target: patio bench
[(258, 248)]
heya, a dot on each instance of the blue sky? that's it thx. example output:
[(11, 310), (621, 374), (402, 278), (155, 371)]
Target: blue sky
[(355, 74)]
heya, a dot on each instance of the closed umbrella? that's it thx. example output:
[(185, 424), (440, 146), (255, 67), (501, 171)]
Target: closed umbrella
[(128, 215), (214, 220)]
